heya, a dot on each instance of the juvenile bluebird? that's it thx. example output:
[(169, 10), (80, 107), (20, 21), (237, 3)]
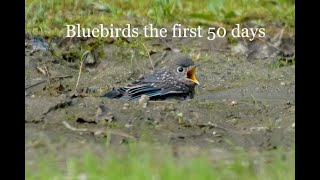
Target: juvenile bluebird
[(176, 80)]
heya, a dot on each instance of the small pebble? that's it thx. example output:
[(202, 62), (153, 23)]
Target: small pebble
[(125, 106), (180, 114), (128, 125), (259, 129), (175, 50), (99, 133), (233, 103), (291, 109), (89, 60), (144, 99), (82, 105), (180, 118), (144, 105), (282, 83)]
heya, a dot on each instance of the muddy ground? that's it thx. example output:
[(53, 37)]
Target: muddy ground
[(246, 98)]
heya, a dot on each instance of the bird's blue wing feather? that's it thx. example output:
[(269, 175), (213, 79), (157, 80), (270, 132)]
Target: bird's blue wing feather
[(151, 91), (143, 89)]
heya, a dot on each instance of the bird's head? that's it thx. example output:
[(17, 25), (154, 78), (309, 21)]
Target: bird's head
[(185, 71)]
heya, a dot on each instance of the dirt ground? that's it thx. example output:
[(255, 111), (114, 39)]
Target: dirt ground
[(246, 99)]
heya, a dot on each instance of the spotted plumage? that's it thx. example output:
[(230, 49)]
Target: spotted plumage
[(176, 80)]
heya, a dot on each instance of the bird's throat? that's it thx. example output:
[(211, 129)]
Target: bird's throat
[(191, 75)]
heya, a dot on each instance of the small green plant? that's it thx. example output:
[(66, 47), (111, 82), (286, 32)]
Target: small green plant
[(283, 61)]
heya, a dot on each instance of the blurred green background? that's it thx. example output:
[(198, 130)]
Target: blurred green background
[(49, 17)]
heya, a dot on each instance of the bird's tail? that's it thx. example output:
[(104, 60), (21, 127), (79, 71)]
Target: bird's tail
[(113, 94)]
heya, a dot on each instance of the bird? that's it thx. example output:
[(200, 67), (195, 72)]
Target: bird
[(177, 80)]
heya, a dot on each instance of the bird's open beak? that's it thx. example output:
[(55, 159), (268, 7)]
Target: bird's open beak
[(191, 75)]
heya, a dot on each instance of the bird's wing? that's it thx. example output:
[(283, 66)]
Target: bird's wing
[(117, 93), (148, 78), (133, 92), (150, 85)]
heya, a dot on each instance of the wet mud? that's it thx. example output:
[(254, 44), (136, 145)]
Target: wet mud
[(246, 96)]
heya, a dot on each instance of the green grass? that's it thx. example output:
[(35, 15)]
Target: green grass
[(49, 17), (147, 162)]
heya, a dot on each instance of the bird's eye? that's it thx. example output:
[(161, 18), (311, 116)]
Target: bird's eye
[(179, 69)]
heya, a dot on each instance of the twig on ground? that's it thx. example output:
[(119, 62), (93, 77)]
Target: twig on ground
[(100, 69), (120, 134), (47, 71), (106, 131), (83, 57), (198, 56), (32, 85), (61, 77), (269, 44), (277, 37), (148, 55), (42, 81), (73, 128), (41, 70)]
